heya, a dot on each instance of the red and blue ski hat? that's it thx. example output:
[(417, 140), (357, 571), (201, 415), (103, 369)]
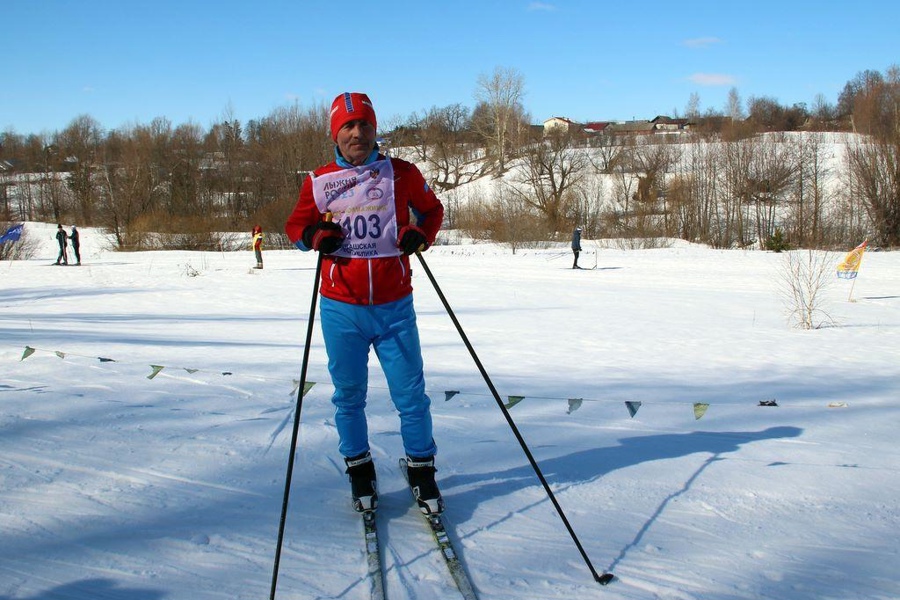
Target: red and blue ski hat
[(351, 106)]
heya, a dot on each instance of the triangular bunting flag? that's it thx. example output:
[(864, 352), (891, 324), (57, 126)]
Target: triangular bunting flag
[(60, 354), (226, 373), (449, 394), (192, 371), (768, 403), (700, 410), (632, 408), (306, 387), (156, 370), (513, 400), (837, 405), (102, 359), (574, 404), (28, 352)]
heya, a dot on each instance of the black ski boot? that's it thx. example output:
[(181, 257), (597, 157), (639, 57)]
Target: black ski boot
[(361, 470), (420, 473)]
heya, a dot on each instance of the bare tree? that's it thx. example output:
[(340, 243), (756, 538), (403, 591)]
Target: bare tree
[(500, 97), (875, 169), (455, 157), (606, 150), (444, 141), (823, 112), (862, 85), (131, 187), (694, 192), (737, 160), (587, 206), (766, 114), (772, 170), (184, 171), (655, 161), (619, 217), (810, 194), (692, 110), (80, 142), (551, 170), (734, 107), (515, 221), (803, 278)]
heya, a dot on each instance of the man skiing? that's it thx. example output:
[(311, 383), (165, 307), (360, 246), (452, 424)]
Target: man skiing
[(355, 211), (576, 246)]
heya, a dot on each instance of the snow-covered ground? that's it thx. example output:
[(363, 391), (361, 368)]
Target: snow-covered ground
[(114, 485)]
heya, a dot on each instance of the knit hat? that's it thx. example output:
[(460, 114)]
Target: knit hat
[(350, 106)]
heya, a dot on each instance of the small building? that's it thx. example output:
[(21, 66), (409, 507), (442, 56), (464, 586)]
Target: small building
[(666, 124), (632, 128), (555, 125), (595, 127)]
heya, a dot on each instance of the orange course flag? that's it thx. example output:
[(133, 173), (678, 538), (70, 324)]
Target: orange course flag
[(849, 267)]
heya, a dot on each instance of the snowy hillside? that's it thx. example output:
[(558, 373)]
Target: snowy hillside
[(143, 443), (821, 154)]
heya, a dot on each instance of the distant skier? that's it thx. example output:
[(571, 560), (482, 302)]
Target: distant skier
[(76, 244), (63, 240), (576, 246), (257, 245)]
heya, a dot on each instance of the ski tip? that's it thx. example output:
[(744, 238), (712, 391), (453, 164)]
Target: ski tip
[(605, 579)]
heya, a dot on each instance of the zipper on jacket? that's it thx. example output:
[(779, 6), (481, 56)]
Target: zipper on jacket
[(371, 283)]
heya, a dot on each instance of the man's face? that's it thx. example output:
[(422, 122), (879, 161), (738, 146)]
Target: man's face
[(356, 140)]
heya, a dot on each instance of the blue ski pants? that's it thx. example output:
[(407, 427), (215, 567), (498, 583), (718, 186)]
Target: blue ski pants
[(349, 331)]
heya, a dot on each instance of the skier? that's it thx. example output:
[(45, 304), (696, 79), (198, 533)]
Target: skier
[(76, 244), (62, 239), (257, 245), (576, 246), (366, 290)]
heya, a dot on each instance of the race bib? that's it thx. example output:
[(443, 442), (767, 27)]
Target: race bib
[(361, 201)]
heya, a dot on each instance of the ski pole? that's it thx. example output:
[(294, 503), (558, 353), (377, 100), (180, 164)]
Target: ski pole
[(603, 579), (300, 392)]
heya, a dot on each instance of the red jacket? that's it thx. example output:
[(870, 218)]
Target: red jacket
[(371, 280)]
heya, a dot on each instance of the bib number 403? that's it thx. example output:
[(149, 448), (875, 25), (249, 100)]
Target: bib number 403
[(361, 227)]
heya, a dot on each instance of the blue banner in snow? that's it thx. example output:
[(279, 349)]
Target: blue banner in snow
[(12, 234)]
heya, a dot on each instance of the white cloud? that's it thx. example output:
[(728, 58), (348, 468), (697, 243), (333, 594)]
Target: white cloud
[(702, 42), (541, 6), (712, 79)]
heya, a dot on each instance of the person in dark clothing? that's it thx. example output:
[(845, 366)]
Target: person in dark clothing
[(576, 246), (63, 239), (76, 244)]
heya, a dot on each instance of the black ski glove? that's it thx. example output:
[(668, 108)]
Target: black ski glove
[(412, 240), (325, 237)]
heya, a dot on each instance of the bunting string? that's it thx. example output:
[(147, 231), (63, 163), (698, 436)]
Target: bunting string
[(699, 409)]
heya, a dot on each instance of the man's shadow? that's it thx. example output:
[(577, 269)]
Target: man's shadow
[(587, 466), (92, 589)]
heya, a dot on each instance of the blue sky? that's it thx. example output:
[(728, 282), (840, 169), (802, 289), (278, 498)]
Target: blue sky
[(129, 61)]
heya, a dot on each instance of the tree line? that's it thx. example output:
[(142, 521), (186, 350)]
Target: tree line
[(738, 177)]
